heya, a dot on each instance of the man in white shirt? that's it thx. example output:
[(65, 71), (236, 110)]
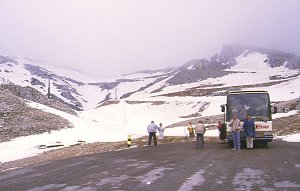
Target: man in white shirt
[(200, 130), (152, 128)]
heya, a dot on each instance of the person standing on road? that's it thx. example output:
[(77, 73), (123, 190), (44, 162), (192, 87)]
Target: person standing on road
[(200, 130), (235, 125), (222, 132), (191, 132), (161, 131), (152, 128), (250, 134)]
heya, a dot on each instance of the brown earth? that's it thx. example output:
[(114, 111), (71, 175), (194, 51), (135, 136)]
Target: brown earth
[(85, 149)]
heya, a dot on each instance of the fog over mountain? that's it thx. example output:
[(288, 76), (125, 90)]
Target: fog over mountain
[(110, 38)]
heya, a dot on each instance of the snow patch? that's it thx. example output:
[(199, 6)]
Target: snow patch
[(250, 62), (190, 67), (196, 179), (48, 187), (152, 175), (286, 184), (292, 138), (279, 115), (248, 178), (112, 180)]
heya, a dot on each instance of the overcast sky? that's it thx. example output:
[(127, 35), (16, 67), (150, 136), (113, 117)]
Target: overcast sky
[(113, 37)]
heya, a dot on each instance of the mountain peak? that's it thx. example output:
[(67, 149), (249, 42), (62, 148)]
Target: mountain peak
[(275, 58)]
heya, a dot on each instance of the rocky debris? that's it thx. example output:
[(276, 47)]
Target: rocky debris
[(60, 82), (287, 125), (200, 91), (111, 85), (189, 76), (18, 119), (37, 71), (32, 94), (36, 82), (7, 60), (108, 102), (66, 91), (279, 77), (283, 106), (75, 81)]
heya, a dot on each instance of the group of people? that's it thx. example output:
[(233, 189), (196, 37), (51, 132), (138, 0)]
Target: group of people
[(199, 129), (152, 129), (249, 127)]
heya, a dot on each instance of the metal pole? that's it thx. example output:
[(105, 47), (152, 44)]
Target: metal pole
[(49, 86)]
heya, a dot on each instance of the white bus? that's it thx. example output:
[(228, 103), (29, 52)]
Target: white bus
[(255, 103)]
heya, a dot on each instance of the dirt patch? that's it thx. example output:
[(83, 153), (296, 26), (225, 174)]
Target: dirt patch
[(85, 149), (287, 125)]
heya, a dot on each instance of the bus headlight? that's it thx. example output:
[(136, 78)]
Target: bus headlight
[(267, 133)]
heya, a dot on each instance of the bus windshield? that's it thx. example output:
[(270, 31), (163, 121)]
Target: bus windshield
[(255, 104)]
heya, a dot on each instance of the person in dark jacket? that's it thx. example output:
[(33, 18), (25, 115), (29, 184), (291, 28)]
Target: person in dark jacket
[(152, 128), (222, 132), (250, 133)]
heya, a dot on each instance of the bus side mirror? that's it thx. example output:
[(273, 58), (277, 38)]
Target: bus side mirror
[(222, 108), (274, 109)]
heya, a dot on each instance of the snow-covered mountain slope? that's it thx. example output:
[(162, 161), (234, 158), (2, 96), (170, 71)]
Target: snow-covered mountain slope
[(114, 122), (236, 65), (117, 107), (26, 72)]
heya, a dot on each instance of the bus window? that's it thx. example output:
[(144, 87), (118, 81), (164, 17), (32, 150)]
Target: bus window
[(253, 104)]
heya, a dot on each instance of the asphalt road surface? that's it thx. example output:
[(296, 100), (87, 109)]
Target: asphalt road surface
[(167, 167)]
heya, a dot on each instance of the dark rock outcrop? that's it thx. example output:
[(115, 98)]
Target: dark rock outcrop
[(32, 94), (18, 119), (8, 60)]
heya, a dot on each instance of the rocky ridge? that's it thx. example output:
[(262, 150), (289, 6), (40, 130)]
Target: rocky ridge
[(18, 119)]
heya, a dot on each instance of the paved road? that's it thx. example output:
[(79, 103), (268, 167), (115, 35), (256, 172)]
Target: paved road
[(167, 167)]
